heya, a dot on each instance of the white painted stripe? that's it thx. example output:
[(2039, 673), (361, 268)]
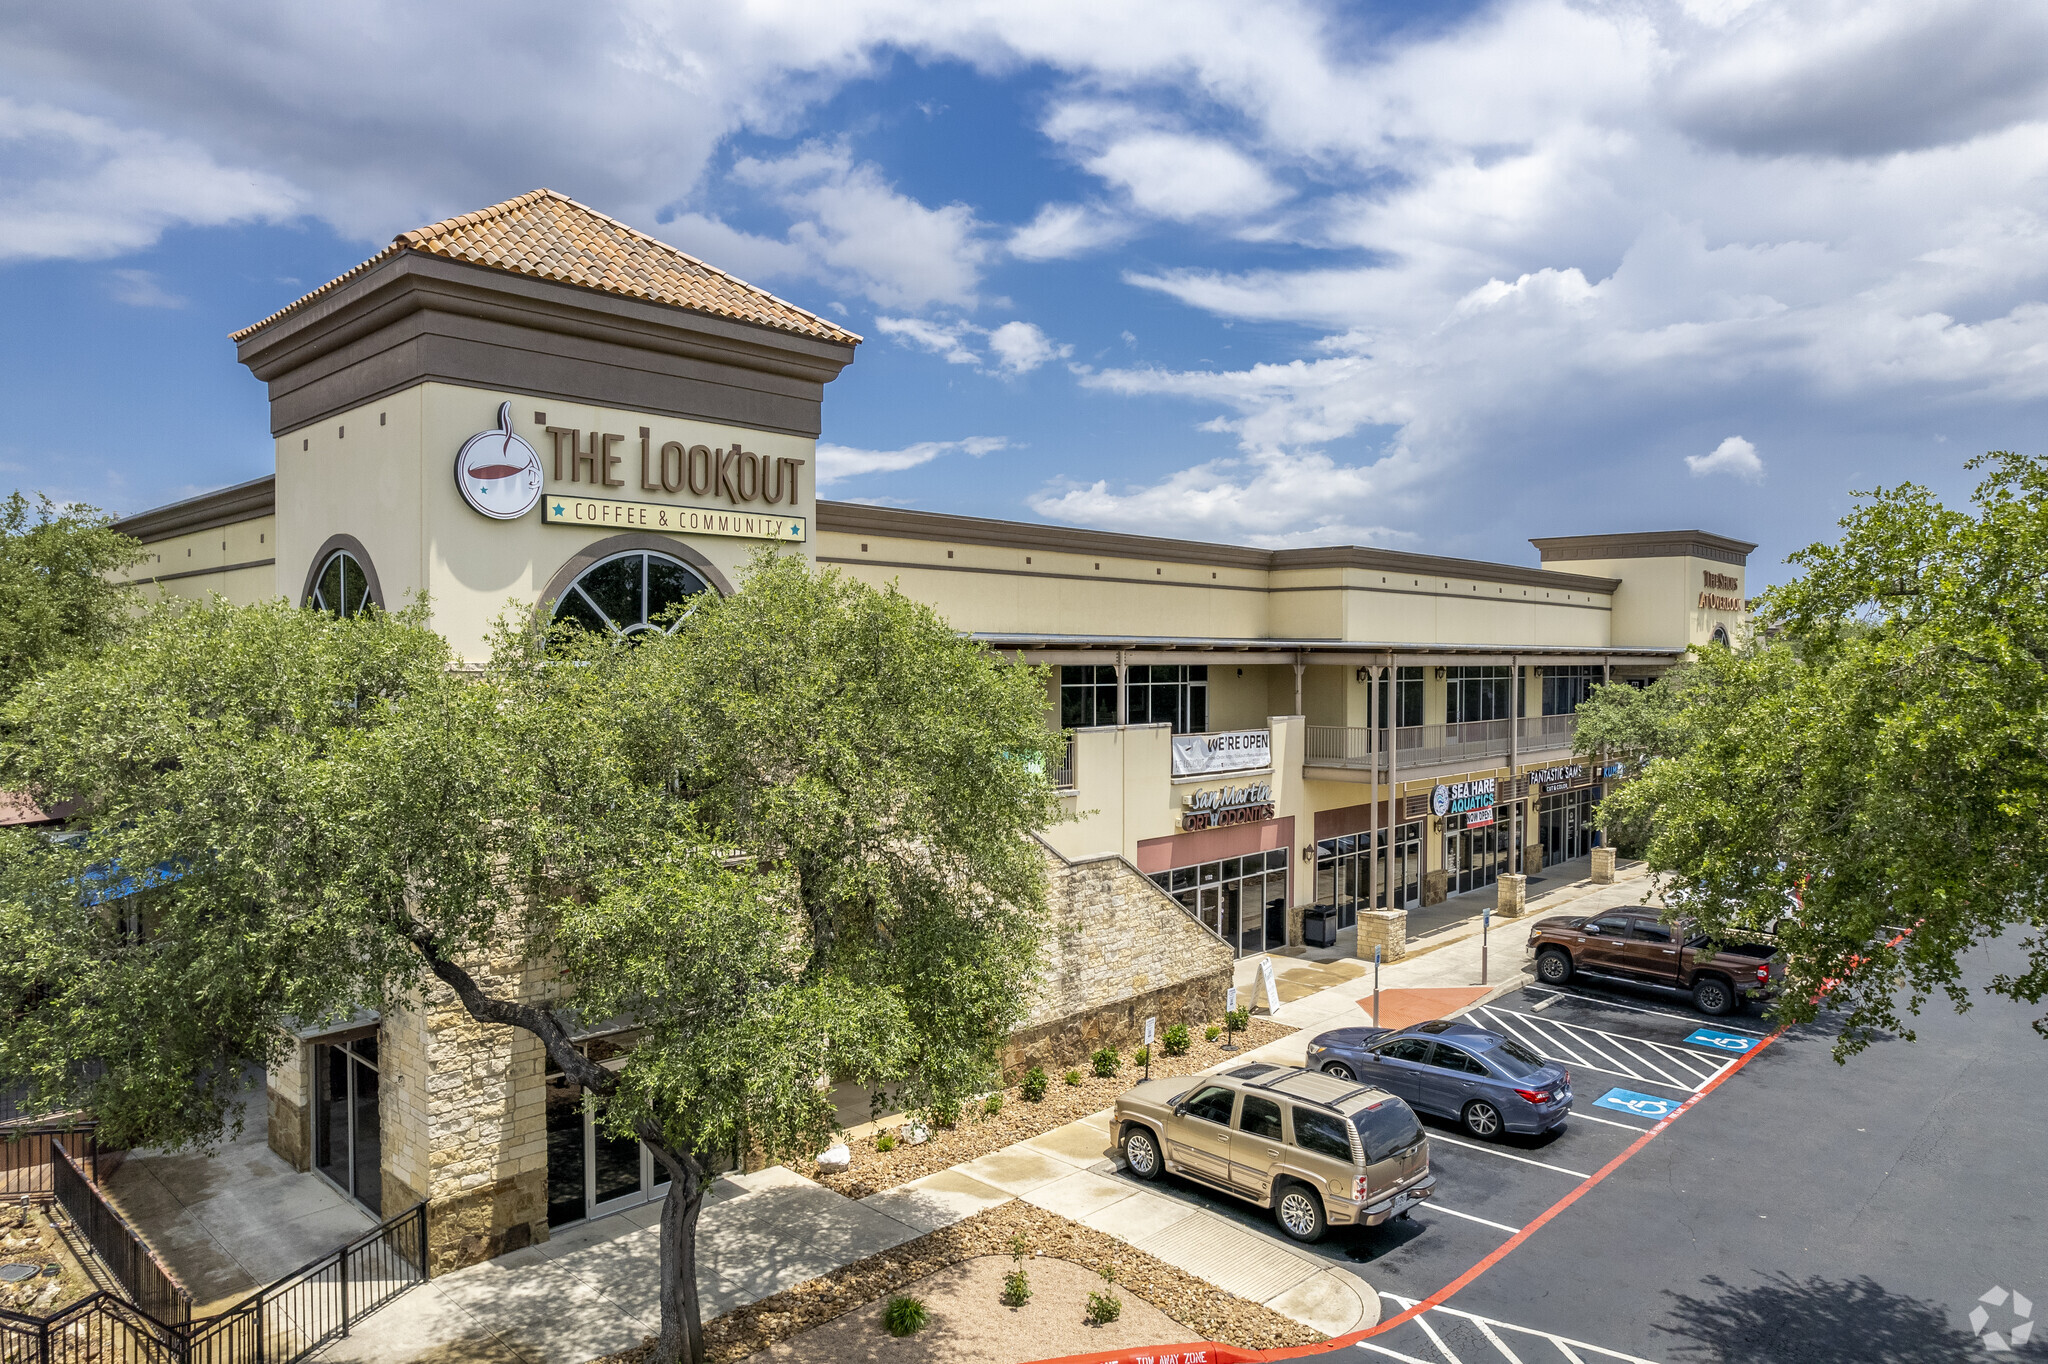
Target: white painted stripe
[(1661, 1013), (1588, 1117), (1504, 1155), (1392, 1354), (1498, 1343), (1497, 1226), (1435, 1339), (1565, 1343)]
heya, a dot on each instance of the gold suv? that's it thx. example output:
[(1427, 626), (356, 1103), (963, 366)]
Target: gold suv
[(1320, 1152)]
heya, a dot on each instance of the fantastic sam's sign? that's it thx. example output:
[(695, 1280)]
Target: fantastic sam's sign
[(501, 476)]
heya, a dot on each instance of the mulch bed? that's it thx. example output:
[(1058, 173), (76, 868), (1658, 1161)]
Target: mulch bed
[(1205, 1310), (981, 1132)]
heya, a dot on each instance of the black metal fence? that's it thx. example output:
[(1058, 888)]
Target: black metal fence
[(280, 1324), (150, 1283), (26, 1159)]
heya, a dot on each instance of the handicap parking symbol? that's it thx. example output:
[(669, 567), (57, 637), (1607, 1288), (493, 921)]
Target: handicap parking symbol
[(1721, 1041), (1640, 1105)]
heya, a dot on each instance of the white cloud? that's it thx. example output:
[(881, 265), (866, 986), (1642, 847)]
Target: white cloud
[(1018, 347), (1063, 231), (1732, 456), (1172, 175), (78, 187), (141, 289), (837, 463)]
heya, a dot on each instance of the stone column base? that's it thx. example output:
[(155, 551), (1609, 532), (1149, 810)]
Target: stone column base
[(1603, 866), (1436, 887), (483, 1223), (1297, 917), (1511, 901), (1385, 929), (1532, 857)]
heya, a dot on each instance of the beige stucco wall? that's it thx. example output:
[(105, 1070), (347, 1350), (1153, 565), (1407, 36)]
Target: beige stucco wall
[(234, 561), (1658, 601), (384, 473)]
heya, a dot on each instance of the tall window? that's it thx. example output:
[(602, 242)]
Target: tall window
[(1087, 696), (1175, 694), (1407, 700), (340, 588), (628, 593), (1564, 687), (1478, 694), (1172, 694)]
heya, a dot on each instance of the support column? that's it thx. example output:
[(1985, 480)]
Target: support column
[(1123, 690), (1372, 803), (1514, 761), (1299, 666)]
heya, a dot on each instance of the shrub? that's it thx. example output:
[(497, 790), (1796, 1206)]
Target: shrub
[(906, 1316), (1211, 1033), (946, 1113), (992, 1105), (1020, 1246), (1033, 1087), (1104, 1308), (1240, 1019), (1106, 1062), (1073, 1077), (1176, 1040), (1142, 1056), (1016, 1288), (886, 1142)]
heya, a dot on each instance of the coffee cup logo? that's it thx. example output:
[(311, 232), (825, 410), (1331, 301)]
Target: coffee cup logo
[(498, 473)]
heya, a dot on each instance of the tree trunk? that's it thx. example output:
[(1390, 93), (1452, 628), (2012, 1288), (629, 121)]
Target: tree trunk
[(682, 1325)]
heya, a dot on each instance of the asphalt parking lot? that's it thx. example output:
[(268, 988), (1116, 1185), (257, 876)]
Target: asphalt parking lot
[(1799, 1210)]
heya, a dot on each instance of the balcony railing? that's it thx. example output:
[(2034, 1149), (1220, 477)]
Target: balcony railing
[(1432, 745), (1063, 775)]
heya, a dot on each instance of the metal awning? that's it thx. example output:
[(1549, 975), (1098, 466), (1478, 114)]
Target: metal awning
[(1043, 648)]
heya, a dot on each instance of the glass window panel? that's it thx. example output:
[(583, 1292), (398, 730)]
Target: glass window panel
[(614, 588), (327, 594), (367, 1159), (1259, 1117), (573, 607), (1232, 868), (330, 1113), (1212, 1105), (669, 584), (1276, 859), (355, 588), (1210, 871), (565, 1151), (618, 1166), (1183, 877), (1322, 1133)]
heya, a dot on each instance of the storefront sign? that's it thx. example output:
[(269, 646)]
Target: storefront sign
[(1227, 805), (1479, 819), (1461, 797), (1611, 771), (736, 475), (497, 473), (607, 515), (1718, 595), (1244, 750), (1557, 778)]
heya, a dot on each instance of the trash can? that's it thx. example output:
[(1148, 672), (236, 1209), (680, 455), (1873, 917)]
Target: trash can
[(1319, 927)]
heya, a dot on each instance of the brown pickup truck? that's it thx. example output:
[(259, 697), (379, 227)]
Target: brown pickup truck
[(1636, 946)]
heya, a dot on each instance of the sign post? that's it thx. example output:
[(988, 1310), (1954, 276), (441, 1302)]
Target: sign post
[(1148, 1045), (1485, 922), (1272, 990), (1376, 987), (1229, 1009)]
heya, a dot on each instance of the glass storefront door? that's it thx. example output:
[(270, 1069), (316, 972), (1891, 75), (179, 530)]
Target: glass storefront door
[(1351, 876), (1564, 824), (1473, 858), (347, 1146), (591, 1172), (1242, 900)]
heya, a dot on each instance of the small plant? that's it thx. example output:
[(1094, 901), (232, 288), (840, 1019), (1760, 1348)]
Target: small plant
[(1016, 1288), (906, 1316), (1105, 1307), (1106, 1062), (1073, 1077), (1176, 1040), (886, 1142), (946, 1113), (1020, 1246), (1142, 1057), (1240, 1019), (1033, 1087), (1211, 1033), (992, 1105)]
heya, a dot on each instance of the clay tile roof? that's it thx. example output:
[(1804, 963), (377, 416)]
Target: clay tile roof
[(550, 236)]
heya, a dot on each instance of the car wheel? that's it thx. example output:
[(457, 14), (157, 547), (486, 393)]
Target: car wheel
[(1299, 1212), (1339, 1071), (1482, 1119), (1712, 996), (1141, 1153), (1554, 967)]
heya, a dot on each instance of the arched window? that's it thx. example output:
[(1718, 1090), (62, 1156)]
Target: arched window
[(626, 593), (340, 588), (1721, 635)]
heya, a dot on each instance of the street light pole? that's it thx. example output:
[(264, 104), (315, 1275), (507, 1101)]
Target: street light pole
[(1485, 923), (1376, 987)]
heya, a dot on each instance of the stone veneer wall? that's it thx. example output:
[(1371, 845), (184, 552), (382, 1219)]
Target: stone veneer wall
[(290, 1103), (1117, 950)]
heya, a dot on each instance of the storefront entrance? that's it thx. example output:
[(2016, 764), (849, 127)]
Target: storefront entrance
[(590, 1172), (1564, 824), (347, 1146), (1473, 857), (1241, 899), (1349, 878)]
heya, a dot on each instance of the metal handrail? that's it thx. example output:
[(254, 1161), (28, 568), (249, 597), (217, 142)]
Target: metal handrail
[(1354, 746)]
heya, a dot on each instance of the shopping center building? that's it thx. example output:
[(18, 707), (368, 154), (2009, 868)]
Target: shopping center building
[(534, 404)]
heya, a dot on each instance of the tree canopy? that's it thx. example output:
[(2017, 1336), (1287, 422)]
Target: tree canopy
[(787, 841), (1878, 748), (57, 596)]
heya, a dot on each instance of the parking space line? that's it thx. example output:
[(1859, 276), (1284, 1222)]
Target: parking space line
[(1607, 1122), (1556, 995), (1491, 1327), (1673, 1065), (1548, 1046), (1393, 1354), (1437, 1341), (1508, 1155), (1484, 1222), (1496, 1341)]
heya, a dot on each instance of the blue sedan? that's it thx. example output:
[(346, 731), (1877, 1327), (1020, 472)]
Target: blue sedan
[(1460, 1071)]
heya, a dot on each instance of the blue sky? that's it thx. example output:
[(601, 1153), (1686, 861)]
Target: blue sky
[(1437, 278)]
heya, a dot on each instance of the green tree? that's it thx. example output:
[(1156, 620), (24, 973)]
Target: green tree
[(317, 816), (1880, 750), (1631, 725), (58, 598)]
